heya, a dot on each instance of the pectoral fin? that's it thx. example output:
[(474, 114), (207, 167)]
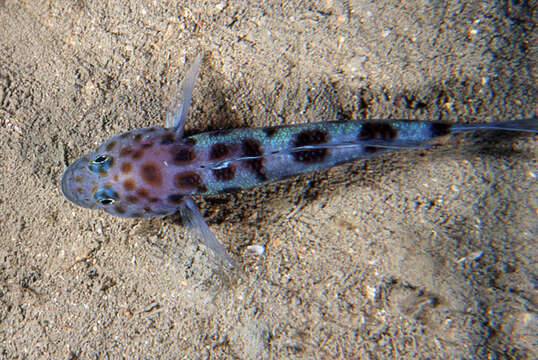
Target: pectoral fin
[(194, 219)]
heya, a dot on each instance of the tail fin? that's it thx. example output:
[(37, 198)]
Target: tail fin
[(525, 125)]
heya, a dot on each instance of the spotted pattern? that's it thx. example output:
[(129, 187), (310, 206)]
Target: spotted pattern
[(126, 167), (175, 199), (151, 174), (251, 148), (218, 151), (308, 138), (182, 155), (168, 139), (126, 151), (110, 146), (270, 131), (225, 174), (129, 185), (440, 129), (132, 199), (143, 193), (189, 181), (378, 131), (156, 169), (138, 154)]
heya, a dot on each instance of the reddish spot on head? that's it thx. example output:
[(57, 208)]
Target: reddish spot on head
[(79, 179), (126, 167), (132, 199), (129, 184), (151, 174), (138, 154), (142, 193), (126, 151), (111, 145)]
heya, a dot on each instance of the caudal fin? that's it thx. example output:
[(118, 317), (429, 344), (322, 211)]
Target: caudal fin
[(525, 125)]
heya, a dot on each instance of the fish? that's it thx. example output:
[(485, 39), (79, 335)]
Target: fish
[(155, 171)]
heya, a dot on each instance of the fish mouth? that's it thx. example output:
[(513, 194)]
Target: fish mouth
[(78, 192)]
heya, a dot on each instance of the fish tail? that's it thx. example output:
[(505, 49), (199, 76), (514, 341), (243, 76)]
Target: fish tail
[(524, 125)]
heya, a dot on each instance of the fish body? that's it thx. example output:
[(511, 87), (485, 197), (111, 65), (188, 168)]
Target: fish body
[(147, 172), (153, 171)]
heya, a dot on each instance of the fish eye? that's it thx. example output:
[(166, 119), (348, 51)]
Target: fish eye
[(106, 196), (106, 201), (100, 159)]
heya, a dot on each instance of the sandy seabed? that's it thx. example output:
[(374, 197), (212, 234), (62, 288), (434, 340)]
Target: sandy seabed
[(427, 254)]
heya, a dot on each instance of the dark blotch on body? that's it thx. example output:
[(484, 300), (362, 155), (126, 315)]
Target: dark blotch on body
[(225, 174), (168, 139), (182, 155), (252, 147), (175, 199), (270, 131), (440, 129), (218, 151), (377, 131), (189, 141), (310, 156), (189, 180), (309, 138), (231, 189), (151, 174), (371, 149)]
